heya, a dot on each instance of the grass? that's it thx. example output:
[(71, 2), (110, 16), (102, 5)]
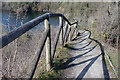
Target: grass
[(112, 53), (111, 72), (113, 56), (80, 27), (62, 54)]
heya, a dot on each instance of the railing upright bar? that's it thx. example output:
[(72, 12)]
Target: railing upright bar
[(68, 34), (74, 29), (61, 33), (48, 45), (56, 41), (66, 28)]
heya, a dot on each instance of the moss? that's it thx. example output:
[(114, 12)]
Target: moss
[(61, 55), (40, 68), (112, 53), (49, 75), (95, 35)]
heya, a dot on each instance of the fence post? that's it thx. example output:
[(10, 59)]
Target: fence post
[(48, 46), (69, 37), (75, 30), (61, 33), (65, 32), (73, 33)]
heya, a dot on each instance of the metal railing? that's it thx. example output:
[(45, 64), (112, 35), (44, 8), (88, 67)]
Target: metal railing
[(45, 39)]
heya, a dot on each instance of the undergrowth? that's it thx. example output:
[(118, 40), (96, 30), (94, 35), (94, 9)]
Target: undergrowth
[(111, 51), (56, 72)]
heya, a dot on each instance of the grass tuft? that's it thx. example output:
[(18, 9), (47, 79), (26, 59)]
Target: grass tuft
[(60, 57)]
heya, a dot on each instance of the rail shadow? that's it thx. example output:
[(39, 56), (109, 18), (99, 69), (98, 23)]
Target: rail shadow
[(84, 71), (79, 41), (72, 65), (76, 38), (84, 43), (72, 48), (105, 70), (67, 64)]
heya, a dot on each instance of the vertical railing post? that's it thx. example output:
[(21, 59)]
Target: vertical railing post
[(61, 33), (68, 33), (65, 32), (48, 45), (73, 33), (69, 37), (76, 29)]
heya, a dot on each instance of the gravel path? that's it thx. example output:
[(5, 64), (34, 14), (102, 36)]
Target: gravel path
[(86, 59)]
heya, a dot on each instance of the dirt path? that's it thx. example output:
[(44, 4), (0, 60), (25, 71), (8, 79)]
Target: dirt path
[(86, 59)]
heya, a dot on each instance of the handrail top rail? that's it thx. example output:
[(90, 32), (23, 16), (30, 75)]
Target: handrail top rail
[(12, 35), (47, 15), (45, 39), (60, 14)]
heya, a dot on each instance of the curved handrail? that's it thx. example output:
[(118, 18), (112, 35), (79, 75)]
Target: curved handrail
[(6, 39), (46, 38)]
